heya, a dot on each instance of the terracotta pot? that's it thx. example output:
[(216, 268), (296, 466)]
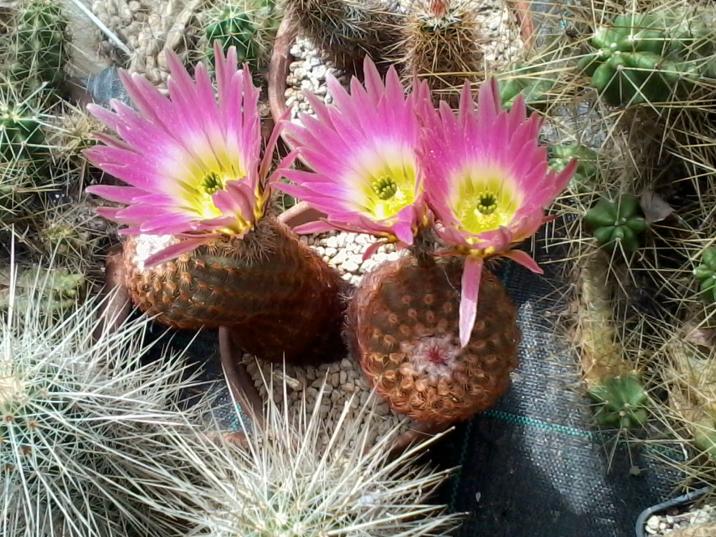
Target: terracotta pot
[(286, 34)]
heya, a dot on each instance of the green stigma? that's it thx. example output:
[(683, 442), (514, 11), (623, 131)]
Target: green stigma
[(212, 183), (487, 203), (384, 187)]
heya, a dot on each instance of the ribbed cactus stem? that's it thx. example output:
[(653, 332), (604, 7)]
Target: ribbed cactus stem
[(41, 47), (441, 41), (278, 297), (346, 30), (403, 327), (610, 379)]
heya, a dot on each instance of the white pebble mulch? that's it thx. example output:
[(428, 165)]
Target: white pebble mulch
[(344, 380), (669, 523)]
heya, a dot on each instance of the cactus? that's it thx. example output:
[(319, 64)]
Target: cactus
[(617, 223), (346, 30), (247, 25), (403, 323), (441, 38), (41, 47), (705, 273), (21, 135), (587, 170), (645, 57), (60, 289), (279, 298), (611, 382), (82, 421), (278, 479), (622, 402)]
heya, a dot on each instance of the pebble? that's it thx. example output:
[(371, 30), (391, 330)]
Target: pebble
[(689, 523), (342, 381)]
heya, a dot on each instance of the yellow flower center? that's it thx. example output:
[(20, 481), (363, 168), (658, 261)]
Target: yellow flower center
[(485, 200), (212, 183), (388, 190)]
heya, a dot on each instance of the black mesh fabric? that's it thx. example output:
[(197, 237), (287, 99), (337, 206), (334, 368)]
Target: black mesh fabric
[(533, 466)]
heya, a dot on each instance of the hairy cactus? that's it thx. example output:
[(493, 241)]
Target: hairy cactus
[(403, 322), (346, 30), (280, 299), (280, 480), (247, 25), (441, 39), (82, 419), (617, 223), (644, 57), (41, 47), (705, 273)]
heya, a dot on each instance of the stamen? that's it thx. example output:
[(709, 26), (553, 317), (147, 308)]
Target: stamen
[(384, 187), (212, 183), (487, 203)]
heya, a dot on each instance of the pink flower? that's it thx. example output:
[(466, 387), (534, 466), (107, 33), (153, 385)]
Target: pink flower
[(192, 161), (363, 154), (487, 181)]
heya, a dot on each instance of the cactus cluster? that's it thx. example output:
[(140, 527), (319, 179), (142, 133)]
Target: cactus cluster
[(645, 57), (41, 44), (617, 224), (79, 420)]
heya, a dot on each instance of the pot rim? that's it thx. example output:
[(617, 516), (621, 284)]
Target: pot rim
[(684, 499)]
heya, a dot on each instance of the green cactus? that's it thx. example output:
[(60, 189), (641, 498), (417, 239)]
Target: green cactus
[(705, 436), (587, 169), (642, 58), (60, 289), (617, 223), (533, 88), (21, 135), (706, 274), (246, 25), (41, 47), (622, 402)]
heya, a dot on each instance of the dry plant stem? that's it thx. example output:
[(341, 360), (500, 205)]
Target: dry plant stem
[(601, 355)]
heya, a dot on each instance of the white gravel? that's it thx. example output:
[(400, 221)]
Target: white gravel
[(672, 522), (345, 382)]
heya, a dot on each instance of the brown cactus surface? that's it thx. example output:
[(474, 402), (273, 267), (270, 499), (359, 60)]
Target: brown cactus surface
[(403, 327), (278, 298)]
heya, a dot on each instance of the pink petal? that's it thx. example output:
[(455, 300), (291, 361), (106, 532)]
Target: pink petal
[(524, 259), (175, 250), (471, 275), (313, 227)]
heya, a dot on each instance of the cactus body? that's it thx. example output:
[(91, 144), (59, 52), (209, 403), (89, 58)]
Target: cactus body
[(643, 57), (441, 39), (41, 47), (346, 30), (21, 135), (403, 322), (622, 402), (61, 475), (706, 274), (617, 222), (587, 169), (247, 25), (611, 381), (279, 298)]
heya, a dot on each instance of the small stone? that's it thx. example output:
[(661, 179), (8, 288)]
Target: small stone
[(343, 378), (653, 522), (350, 266)]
